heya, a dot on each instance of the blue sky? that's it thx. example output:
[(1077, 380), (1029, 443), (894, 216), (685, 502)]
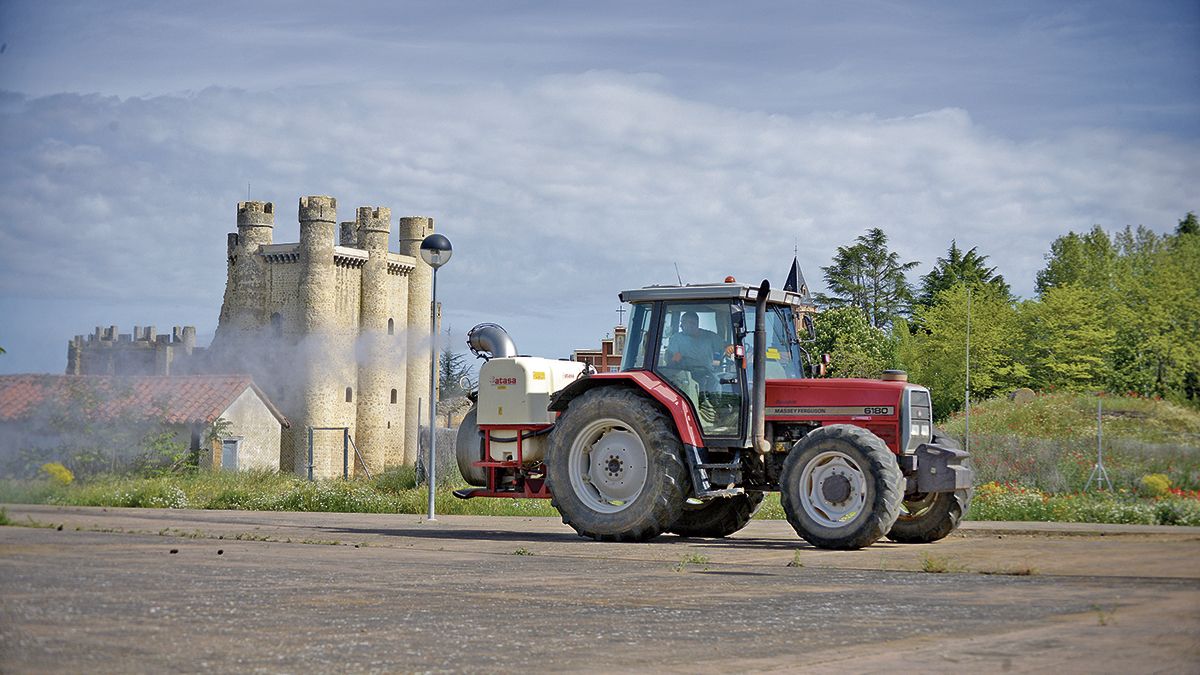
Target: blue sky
[(571, 150)]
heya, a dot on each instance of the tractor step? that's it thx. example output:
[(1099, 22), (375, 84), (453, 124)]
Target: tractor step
[(467, 493)]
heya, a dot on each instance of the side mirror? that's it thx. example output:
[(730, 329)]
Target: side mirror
[(809, 327)]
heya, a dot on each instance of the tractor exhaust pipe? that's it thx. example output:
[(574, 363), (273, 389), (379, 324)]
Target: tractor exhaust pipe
[(489, 341), (759, 402)]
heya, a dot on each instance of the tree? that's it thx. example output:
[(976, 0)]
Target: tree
[(1068, 337), (868, 276), (1158, 318), (936, 356), (1189, 225), (454, 371), (1146, 287), (856, 348), (1085, 259), (958, 267)]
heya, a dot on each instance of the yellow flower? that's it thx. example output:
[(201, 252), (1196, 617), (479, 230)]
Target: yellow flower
[(57, 473)]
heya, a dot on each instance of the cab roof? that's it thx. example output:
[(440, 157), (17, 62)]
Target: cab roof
[(729, 291)]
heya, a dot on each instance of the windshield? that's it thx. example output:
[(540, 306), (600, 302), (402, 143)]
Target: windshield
[(783, 347)]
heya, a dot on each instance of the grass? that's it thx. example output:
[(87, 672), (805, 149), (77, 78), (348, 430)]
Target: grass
[(1050, 443), (391, 492), (696, 559), (1032, 462), (1067, 415), (934, 564)]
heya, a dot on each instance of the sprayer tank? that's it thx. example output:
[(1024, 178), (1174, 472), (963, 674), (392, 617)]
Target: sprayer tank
[(517, 390)]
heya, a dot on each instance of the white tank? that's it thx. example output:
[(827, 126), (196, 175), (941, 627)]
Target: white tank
[(517, 390)]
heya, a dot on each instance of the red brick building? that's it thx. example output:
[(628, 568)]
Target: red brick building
[(606, 359)]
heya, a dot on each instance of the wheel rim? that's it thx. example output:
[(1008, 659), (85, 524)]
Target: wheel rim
[(608, 466), (833, 489), (915, 508)]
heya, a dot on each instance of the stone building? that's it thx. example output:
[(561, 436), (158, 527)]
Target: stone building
[(107, 351), (334, 328)]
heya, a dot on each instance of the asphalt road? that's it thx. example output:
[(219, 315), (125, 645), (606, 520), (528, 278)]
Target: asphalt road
[(136, 590)]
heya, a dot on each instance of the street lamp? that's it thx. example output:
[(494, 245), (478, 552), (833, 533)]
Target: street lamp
[(436, 251)]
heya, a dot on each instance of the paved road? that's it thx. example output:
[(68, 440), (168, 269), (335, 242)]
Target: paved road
[(287, 592)]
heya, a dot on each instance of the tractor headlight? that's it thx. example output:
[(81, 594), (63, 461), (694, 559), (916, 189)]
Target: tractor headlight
[(918, 424)]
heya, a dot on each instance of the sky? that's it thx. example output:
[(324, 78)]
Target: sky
[(571, 150)]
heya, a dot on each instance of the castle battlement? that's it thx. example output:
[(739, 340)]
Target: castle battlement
[(107, 351)]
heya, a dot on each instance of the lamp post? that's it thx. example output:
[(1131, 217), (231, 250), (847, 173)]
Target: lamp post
[(435, 251)]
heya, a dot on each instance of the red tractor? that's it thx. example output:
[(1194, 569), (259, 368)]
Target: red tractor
[(712, 408)]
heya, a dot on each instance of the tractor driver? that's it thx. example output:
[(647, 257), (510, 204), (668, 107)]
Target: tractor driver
[(696, 350)]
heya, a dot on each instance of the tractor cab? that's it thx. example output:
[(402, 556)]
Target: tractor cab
[(699, 340)]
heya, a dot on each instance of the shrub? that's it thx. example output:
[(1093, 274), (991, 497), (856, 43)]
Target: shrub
[(1154, 485), (57, 473)]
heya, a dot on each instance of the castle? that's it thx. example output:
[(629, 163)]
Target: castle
[(107, 351), (337, 334)]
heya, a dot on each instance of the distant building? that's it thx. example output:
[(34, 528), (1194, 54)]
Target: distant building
[(225, 421), (334, 328), (606, 359), (107, 351)]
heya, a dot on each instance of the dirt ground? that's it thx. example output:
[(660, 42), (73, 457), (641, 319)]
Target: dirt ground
[(140, 590)]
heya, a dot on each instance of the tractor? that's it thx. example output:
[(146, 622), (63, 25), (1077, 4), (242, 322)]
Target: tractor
[(716, 403)]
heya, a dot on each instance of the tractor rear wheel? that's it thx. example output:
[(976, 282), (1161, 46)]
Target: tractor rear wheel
[(719, 517), (613, 465), (841, 487), (928, 517)]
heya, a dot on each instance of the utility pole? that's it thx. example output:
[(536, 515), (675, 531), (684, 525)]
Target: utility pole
[(967, 401)]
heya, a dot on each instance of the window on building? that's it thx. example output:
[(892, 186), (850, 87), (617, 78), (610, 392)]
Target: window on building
[(392, 331), (277, 325), (349, 394), (393, 396)]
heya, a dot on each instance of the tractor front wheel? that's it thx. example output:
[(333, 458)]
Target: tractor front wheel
[(717, 518), (928, 517), (613, 465), (841, 487)]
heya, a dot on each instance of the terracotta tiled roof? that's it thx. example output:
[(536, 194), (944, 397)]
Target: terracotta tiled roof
[(190, 399)]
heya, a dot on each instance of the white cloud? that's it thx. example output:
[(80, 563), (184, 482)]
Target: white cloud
[(557, 194)]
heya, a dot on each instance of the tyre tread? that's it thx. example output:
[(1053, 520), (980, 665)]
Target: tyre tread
[(662, 446)]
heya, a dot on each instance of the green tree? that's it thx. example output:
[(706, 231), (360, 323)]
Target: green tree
[(456, 375), (1189, 225), (856, 348), (959, 267), (1148, 288), (936, 355), (870, 277), (1158, 318), (1069, 339), (1085, 259)]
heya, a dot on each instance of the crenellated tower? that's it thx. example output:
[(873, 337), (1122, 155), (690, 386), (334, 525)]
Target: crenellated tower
[(323, 325), (381, 374), (413, 231), (242, 313)]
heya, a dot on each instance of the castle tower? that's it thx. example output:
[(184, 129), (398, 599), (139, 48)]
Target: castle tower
[(412, 231), (381, 372), (326, 353), (245, 290)]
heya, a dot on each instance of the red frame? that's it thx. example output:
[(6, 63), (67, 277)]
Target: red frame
[(659, 390), (527, 484)]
